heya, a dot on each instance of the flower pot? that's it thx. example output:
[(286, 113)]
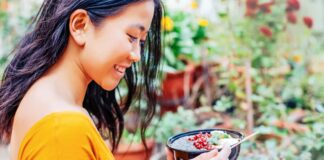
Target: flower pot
[(134, 151), (175, 86), (200, 71)]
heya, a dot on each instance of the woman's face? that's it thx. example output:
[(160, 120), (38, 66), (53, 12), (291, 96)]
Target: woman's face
[(114, 45)]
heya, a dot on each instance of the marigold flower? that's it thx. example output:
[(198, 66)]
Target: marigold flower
[(308, 21), (194, 5), (297, 58), (203, 22), (266, 31), (291, 17), (167, 23)]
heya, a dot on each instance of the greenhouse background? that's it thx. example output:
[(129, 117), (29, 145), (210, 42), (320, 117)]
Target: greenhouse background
[(244, 65)]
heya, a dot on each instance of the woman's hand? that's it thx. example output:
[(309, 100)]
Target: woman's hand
[(211, 155)]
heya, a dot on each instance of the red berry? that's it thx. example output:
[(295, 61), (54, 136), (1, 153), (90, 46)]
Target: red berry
[(308, 21), (291, 17), (266, 31)]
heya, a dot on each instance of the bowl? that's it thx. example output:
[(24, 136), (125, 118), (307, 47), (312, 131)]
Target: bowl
[(181, 153)]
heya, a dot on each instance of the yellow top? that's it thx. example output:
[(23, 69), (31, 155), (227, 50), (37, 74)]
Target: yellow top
[(64, 136)]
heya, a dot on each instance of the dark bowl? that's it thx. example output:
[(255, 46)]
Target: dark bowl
[(180, 154)]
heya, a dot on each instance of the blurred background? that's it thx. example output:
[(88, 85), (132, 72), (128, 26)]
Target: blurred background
[(245, 65)]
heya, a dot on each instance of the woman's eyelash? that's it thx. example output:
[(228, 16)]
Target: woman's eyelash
[(135, 39), (132, 37)]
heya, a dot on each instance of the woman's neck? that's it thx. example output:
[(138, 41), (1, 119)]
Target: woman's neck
[(68, 77)]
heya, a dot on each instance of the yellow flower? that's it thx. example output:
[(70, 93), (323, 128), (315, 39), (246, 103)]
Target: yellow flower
[(297, 58), (203, 22), (167, 23), (194, 5)]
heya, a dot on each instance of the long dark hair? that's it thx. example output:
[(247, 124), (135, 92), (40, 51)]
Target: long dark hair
[(43, 46)]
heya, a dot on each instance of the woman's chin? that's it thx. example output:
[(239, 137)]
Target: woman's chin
[(108, 86)]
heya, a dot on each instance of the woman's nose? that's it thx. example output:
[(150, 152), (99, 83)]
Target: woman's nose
[(135, 56)]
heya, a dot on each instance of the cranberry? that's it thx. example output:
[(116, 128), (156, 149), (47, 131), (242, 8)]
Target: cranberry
[(200, 141)]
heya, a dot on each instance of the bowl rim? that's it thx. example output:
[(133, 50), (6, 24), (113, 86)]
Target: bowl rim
[(189, 133)]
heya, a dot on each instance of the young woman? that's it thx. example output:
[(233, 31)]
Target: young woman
[(58, 93)]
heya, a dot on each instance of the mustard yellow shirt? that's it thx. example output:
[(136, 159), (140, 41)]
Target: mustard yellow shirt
[(64, 136)]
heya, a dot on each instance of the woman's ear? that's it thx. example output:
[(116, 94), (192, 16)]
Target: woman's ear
[(78, 25)]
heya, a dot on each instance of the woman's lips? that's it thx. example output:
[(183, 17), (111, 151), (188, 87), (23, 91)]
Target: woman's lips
[(120, 69)]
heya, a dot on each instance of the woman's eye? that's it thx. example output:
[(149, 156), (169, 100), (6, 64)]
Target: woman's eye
[(132, 38)]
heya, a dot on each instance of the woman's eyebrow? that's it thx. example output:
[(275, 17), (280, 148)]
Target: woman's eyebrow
[(140, 27)]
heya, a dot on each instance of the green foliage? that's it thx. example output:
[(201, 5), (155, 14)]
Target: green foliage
[(129, 137), (184, 33), (281, 79), (223, 104), (178, 122), (300, 146), (174, 123)]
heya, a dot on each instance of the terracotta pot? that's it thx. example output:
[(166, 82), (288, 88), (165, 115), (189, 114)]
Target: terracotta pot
[(134, 151), (173, 89), (199, 71)]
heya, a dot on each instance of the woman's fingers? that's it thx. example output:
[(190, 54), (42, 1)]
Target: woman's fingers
[(224, 153), (207, 155), (168, 153)]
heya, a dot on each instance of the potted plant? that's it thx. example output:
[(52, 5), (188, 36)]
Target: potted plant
[(184, 33), (132, 148)]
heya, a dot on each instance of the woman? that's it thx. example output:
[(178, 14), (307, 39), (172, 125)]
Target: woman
[(65, 72)]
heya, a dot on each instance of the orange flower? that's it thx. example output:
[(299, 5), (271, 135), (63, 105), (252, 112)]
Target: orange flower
[(203, 22), (167, 23), (194, 5), (297, 58)]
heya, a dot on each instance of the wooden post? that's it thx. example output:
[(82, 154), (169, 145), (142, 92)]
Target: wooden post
[(248, 90), (205, 74)]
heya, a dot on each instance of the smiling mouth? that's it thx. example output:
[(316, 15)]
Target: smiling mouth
[(120, 69)]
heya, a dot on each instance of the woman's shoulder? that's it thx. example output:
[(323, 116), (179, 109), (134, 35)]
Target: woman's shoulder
[(36, 124), (66, 119), (62, 124), (64, 134), (26, 120), (60, 121)]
